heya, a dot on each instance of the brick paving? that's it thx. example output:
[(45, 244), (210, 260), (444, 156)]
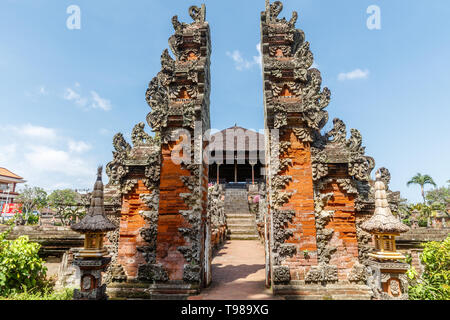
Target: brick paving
[(238, 273)]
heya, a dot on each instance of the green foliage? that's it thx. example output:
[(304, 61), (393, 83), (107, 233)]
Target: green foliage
[(32, 199), (20, 266), (439, 199), (33, 219), (435, 281), (67, 205), (65, 294), (421, 180), (407, 222)]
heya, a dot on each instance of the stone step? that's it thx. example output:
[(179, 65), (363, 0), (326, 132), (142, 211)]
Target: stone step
[(241, 228), (240, 215), (240, 222), (243, 232), (243, 237), (232, 208)]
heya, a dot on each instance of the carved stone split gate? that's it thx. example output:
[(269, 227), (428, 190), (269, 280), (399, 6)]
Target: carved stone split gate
[(318, 185)]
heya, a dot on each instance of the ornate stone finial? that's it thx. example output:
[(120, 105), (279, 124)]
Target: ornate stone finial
[(177, 25), (198, 14), (95, 221), (99, 173), (139, 136), (383, 220), (339, 132)]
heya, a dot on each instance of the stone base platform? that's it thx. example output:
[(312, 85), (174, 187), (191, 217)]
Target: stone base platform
[(299, 290), (172, 290)]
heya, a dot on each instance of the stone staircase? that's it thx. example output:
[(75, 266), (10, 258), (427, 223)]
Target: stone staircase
[(241, 223)]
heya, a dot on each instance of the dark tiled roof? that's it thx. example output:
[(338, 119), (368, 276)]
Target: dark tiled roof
[(237, 138)]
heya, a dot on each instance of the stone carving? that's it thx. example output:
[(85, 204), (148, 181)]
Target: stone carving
[(319, 164), (358, 274), (323, 273), (305, 84), (158, 99), (324, 235), (303, 134), (364, 243), (193, 216), (348, 185), (198, 14), (216, 206), (354, 144), (150, 233), (280, 249), (338, 133), (139, 136), (152, 272), (281, 274), (396, 283)]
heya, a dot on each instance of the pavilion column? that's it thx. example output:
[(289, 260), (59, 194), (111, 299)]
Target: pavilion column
[(253, 174), (235, 171), (218, 173)]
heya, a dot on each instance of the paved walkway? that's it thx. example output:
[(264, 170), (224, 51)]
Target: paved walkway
[(238, 273)]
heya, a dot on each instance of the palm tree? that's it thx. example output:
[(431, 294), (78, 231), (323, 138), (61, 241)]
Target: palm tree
[(421, 180)]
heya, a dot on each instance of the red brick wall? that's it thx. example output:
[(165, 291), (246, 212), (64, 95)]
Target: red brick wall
[(343, 223), (170, 220), (130, 224), (302, 201)]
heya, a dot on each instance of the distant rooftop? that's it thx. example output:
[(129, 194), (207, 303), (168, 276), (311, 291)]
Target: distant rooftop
[(240, 136), (8, 174)]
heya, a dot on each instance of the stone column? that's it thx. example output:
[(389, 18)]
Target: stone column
[(179, 98), (293, 114)]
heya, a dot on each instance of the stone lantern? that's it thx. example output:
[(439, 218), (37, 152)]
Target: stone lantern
[(388, 272), (92, 259)]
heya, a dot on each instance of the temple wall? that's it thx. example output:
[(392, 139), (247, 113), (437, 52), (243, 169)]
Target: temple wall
[(343, 223), (131, 223), (302, 201), (170, 219)]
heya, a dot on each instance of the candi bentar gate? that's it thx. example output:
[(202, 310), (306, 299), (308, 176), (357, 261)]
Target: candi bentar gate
[(315, 189)]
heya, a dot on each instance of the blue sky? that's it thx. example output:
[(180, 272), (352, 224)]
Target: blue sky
[(65, 93)]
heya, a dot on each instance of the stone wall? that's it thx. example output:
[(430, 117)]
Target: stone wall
[(130, 236), (301, 202)]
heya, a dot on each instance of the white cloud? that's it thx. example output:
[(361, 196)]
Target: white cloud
[(37, 132), (94, 101), (353, 75), (72, 95), (43, 91), (258, 59), (79, 146), (243, 64), (56, 161), (104, 132), (45, 158), (100, 102)]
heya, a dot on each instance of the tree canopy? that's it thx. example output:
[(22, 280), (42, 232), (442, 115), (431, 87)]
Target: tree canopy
[(421, 180)]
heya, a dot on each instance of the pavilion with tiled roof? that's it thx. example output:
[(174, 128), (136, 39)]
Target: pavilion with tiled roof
[(8, 183), (236, 156)]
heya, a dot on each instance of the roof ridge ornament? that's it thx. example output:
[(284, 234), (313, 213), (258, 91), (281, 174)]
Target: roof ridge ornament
[(198, 14)]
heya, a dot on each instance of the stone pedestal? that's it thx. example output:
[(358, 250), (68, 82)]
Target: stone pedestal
[(91, 278), (388, 280)]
